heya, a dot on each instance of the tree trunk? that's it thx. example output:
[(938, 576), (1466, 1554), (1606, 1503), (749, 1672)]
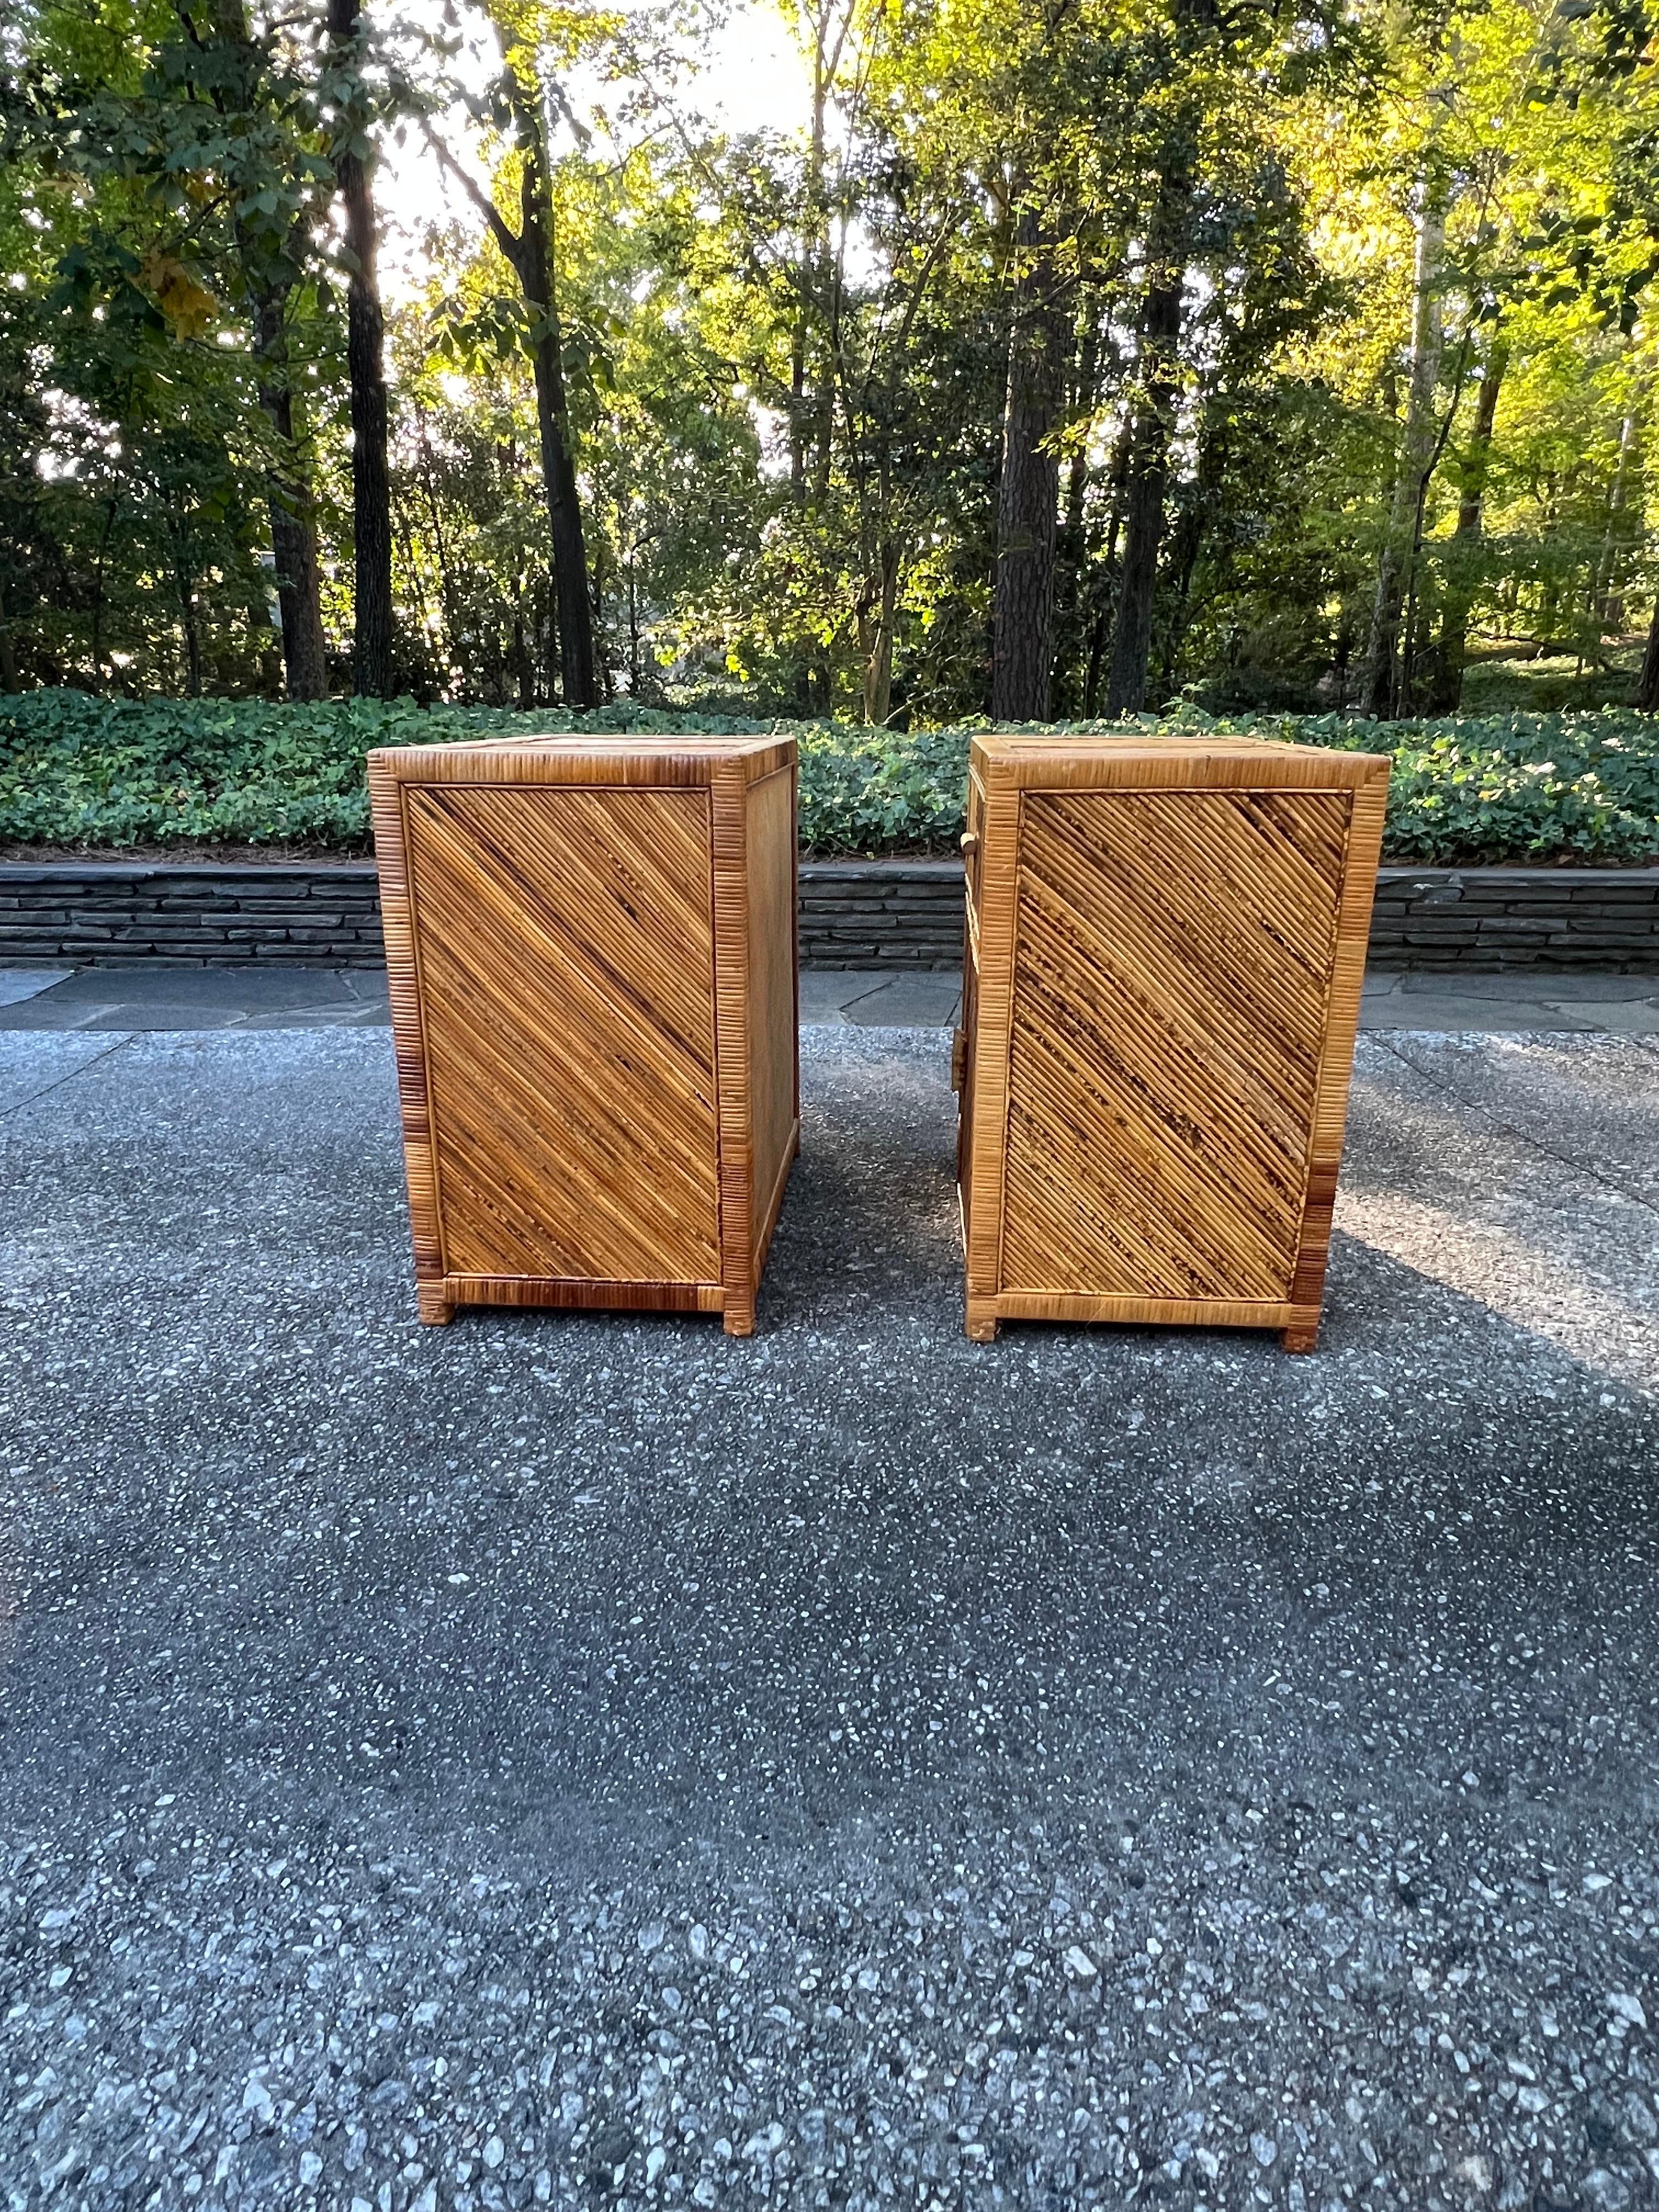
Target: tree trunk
[(99, 571), (1646, 700), (1071, 544), (564, 515), (820, 284), (1028, 493), (1549, 590), (1103, 596), (529, 253), (602, 672), (184, 582), (287, 472), (1214, 460), (1183, 562), (1152, 426), (22, 423), (288, 494), (1606, 606), (1097, 633), (446, 590), (1448, 693), (798, 406), (876, 638), (1380, 694), (371, 494)]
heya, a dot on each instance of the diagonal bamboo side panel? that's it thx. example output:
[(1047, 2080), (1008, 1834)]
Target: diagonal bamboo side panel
[(1170, 982), (993, 862), (1165, 952), (775, 1009), (728, 798), (568, 1142), (1336, 1068), (568, 931), (409, 1039)]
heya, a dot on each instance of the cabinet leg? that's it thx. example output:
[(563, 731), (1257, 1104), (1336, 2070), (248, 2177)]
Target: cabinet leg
[(433, 1307), (740, 1320), (1300, 1339), (982, 1320)]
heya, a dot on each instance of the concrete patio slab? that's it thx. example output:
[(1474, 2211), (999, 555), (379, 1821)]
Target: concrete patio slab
[(876, 998), (585, 1760), (171, 995), (1525, 986), (906, 1002), (1638, 1018), (17, 984), (1531, 1000), (1449, 1012)]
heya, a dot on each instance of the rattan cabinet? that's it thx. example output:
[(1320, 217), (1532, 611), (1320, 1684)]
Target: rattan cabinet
[(1165, 949), (592, 950)]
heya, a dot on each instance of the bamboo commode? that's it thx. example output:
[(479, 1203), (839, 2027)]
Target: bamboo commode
[(591, 944), (1165, 950)]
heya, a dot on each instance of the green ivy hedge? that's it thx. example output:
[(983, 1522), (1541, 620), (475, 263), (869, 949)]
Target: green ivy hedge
[(84, 772)]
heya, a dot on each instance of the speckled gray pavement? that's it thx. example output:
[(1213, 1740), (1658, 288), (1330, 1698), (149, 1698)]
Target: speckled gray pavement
[(590, 1760)]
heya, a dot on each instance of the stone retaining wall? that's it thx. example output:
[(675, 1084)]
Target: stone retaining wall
[(852, 915), (92, 913), (1517, 918), (881, 913)]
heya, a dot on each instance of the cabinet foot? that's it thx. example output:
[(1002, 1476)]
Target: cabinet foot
[(982, 1323), (1300, 1339), (433, 1307), (741, 1320)]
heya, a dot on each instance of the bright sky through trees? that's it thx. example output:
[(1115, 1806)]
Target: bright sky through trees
[(829, 357), (753, 76)]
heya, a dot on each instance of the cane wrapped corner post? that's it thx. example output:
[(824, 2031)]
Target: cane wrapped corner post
[(592, 953), (1164, 951)]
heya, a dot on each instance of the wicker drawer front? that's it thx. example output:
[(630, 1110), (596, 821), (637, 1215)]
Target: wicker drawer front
[(1163, 985), (570, 1142)]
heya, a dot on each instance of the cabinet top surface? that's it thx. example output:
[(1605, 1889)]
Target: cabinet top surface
[(1037, 757), (575, 757)]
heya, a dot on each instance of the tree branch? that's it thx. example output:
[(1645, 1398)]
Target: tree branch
[(508, 239)]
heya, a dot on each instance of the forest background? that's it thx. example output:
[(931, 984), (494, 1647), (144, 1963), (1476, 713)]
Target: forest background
[(1068, 359)]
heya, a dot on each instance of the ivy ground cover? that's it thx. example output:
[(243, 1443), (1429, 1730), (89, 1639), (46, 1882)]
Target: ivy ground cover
[(93, 774)]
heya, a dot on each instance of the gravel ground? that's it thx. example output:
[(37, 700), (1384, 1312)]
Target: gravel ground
[(593, 1761)]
